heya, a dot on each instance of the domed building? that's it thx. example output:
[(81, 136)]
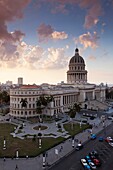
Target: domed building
[(76, 90), (76, 72)]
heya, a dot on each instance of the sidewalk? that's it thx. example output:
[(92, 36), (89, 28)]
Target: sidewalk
[(51, 157)]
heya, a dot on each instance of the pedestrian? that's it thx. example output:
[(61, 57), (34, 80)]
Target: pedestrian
[(61, 147), (16, 168), (4, 159), (46, 154)]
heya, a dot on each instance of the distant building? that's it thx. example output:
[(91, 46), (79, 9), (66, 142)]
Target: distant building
[(76, 90), (9, 83), (20, 81)]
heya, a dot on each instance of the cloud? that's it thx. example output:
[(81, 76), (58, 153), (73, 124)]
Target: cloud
[(91, 57), (56, 59), (22, 55), (8, 54), (46, 32), (59, 35), (10, 10), (93, 9), (88, 40), (60, 8)]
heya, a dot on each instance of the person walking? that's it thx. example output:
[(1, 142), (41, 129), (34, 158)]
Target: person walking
[(16, 168)]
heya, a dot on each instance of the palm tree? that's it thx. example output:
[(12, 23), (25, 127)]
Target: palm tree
[(23, 103), (77, 107), (72, 112), (42, 102)]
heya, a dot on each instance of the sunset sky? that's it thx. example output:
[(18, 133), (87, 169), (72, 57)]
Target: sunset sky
[(38, 38)]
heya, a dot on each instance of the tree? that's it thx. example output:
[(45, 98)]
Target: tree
[(4, 97), (23, 103), (72, 112), (42, 102), (77, 107)]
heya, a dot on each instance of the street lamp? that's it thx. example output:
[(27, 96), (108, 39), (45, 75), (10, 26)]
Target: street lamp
[(73, 142), (17, 155), (80, 124), (44, 160), (40, 139), (4, 145)]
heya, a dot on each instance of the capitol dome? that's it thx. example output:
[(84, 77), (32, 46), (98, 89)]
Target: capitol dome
[(76, 72), (76, 59)]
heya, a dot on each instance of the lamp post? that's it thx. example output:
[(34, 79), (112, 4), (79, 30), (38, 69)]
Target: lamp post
[(80, 124), (73, 142), (17, 155), (4, 144), (40, 140), (44, 160)]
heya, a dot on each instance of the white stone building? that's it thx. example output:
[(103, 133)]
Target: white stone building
[(76, 90)]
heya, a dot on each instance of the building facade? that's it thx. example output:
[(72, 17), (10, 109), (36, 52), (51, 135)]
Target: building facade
[(76, 90)]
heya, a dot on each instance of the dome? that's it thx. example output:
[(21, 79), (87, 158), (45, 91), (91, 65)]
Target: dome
[(77, 72), (76, 59)]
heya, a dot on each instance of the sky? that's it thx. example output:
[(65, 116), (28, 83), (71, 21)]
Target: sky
[(39, 37)]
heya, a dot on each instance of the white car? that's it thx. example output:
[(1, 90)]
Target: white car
[(83, 161), (92, 165), (110, 117), (111, 144)]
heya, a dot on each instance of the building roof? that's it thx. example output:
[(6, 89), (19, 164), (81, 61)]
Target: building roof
[(29, 87)]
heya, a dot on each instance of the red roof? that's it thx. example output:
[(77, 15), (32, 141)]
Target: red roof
[(29, 87)]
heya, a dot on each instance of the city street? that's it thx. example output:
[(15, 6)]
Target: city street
[(65, 157)]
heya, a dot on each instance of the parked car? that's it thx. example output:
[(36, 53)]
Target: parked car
[(93, 136), (97, 162), (94, 154), (109, 139), (100, 139), (92, 165), (110, 117), (85, 164), (79, 146), (88, 159), (111, 144)]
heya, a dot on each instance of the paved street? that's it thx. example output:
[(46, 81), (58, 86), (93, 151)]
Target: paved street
[(52, 158)]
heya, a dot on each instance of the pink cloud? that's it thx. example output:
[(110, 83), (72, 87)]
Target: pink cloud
[(10, 10), (46, 32), (91, 57), (88, 40)]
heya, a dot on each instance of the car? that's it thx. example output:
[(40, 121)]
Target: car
[(88, 159), (93, 154), (96, 162), (87, 167), (79, 146), (83, 162), (110, 117), (100, 139), (109, 139), (111, 144), (92, 165), (93, 136)]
